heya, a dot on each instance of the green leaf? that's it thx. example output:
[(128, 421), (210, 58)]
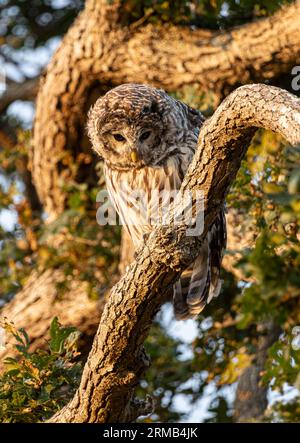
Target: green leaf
[(59, 335)]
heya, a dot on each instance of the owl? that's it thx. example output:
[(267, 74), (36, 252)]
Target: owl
[(147, 140)]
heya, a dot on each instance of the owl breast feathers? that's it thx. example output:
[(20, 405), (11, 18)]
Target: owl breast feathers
[(147, 140)]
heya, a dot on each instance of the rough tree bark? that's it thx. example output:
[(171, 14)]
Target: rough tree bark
[(117, 358), (241, 234)]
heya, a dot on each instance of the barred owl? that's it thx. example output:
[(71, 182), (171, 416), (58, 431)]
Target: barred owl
[(147, 140)]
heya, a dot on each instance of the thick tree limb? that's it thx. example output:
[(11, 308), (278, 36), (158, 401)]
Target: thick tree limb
[(98, 51), (241, 234), (117, 358)]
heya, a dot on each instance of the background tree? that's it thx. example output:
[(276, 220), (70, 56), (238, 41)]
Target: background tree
[(58, 261)]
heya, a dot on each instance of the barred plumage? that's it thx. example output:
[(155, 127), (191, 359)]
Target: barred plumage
[(147, 140)]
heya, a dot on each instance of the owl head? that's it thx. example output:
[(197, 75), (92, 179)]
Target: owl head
[(136, 125)]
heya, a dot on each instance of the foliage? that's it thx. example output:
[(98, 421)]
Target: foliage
[(166, 377), (32, 24), (283, 370), (37, 384), (75, 243), (19, 242)]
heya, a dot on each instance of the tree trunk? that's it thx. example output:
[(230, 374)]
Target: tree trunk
[(117, 358), (251, 396)]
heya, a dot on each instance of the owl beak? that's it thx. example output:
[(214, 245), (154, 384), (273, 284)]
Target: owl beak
[(134, 155)]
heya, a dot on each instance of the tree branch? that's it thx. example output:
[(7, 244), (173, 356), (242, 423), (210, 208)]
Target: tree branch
[(241, 234), (117, 358), (251, 396), (19, 91)]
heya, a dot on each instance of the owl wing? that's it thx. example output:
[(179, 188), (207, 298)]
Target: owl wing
[(200, 282)]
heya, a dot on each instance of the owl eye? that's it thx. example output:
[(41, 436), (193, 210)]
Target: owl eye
[(145, 135), (119, 137)]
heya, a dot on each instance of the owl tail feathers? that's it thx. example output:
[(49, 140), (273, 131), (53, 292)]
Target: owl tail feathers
[(197, 285)]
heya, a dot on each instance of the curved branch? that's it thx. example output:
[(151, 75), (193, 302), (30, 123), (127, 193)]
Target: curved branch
[(99, 51), (241, 235), (117, 359)]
